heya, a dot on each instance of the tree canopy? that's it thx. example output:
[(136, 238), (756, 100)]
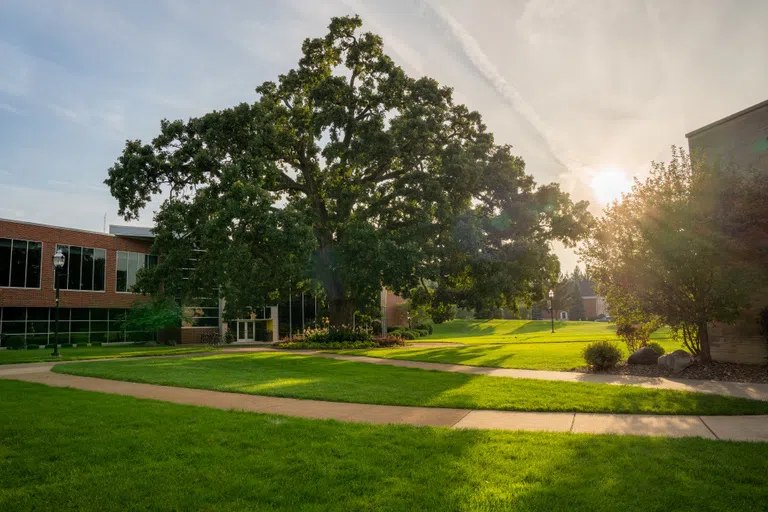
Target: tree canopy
[(667, 253), (346, 175)]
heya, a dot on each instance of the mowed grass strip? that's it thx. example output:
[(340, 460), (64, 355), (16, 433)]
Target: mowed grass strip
[(529, 356), (84, 353), (316, 378), (64, 449), (526, 331)]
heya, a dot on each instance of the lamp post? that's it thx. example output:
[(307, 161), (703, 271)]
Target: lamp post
[(551, 312), (58, 262)]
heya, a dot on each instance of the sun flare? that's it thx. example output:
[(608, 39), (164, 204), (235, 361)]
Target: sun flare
[(608, 184)]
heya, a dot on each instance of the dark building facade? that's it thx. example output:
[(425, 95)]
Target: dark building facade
[(739, 140)]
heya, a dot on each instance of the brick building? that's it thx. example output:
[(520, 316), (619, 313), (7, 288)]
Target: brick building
[(740, 140), (95, 286)]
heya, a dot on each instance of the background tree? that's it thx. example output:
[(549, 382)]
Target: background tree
[(349, 175), (662, 251), (577, 312)]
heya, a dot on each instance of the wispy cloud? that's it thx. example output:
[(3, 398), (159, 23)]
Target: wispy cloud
[(10, 108), (507, 91)]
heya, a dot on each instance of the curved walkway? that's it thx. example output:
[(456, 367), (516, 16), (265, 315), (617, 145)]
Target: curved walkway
[(711, 387), (735, 428)]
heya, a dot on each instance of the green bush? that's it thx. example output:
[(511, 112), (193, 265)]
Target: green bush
[(602, 354), (33, 347), (332, 345), (424, 327), (66, 345), (406, 334), (656, 348), (97, 344), (421, 332), (15, 342), (332, 335)]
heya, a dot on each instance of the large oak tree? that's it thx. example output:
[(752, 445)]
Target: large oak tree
[(349, 175)]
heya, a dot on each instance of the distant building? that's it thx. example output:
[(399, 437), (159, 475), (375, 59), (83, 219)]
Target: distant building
[(595, 306), (740, 139)]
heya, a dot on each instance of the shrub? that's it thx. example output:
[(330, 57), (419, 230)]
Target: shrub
[(15, 342), (390, 341), (332, 345), (656, 348), (406, 334), (421, 332), (424, 327), (326, 335), (602, 354), (229, 336), (635, 335), (33, 347)]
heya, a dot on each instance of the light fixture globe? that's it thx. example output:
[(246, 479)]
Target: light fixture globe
[(551, 294), (58, 259)]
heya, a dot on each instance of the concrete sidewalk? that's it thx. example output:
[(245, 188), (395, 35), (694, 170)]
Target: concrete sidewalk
[(736, 428), (735, 389)]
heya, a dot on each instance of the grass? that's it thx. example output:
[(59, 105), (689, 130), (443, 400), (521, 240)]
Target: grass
[(530, 356), (525, 344), (65, 449), (307, 377), (81, 353), (526, 331)]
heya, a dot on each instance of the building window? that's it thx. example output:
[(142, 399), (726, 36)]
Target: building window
[(128, 266), (76, 325), (84, 268), (20, 263)]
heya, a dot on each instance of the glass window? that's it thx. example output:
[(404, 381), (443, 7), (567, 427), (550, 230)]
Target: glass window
[(13, 314), (74, 265), (133, 267), (84, 268), (86, 277), (34, 256), (80, 314), (5, 261), (62, 272), (128, 266), (122, 271), (99, 314), (19, 263), (99, 269)]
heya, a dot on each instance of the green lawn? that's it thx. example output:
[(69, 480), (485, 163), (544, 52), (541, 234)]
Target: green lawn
[(307, 377), (526, 331), (65, 449), (525, 344), (530, 356), (74, 354)]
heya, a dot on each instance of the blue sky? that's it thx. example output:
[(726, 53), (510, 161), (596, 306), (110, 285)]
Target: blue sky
[(584, 90)]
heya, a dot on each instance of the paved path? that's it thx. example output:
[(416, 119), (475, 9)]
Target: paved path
[(735, 389), (736, 428)]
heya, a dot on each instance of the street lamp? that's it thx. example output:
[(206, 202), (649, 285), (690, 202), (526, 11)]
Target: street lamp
[(58, 262), (551, 313)]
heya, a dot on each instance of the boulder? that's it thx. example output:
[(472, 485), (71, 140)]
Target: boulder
[(643, 355), (676, 361)]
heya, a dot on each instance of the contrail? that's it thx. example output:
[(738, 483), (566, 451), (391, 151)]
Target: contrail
[(485, 67)]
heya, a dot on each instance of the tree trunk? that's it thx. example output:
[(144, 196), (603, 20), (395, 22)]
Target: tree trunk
[(340, 311), (706, 357)]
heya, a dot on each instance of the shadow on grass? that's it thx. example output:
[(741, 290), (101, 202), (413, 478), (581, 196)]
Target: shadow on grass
[(89, 451)]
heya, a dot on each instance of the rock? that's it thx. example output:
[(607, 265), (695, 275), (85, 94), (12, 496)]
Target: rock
[(676, 361), (643, 355)]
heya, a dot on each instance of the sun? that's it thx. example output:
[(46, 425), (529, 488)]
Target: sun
[(609, 183)]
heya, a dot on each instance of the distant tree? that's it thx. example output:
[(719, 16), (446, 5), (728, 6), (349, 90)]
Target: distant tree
[(348, 174), (662, 251), (577, 311)]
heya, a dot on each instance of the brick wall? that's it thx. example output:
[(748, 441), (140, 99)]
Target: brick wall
[(397, 315), (741, 140), (50, 236)]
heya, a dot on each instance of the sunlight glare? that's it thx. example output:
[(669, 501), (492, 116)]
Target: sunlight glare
[(609, 183)]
